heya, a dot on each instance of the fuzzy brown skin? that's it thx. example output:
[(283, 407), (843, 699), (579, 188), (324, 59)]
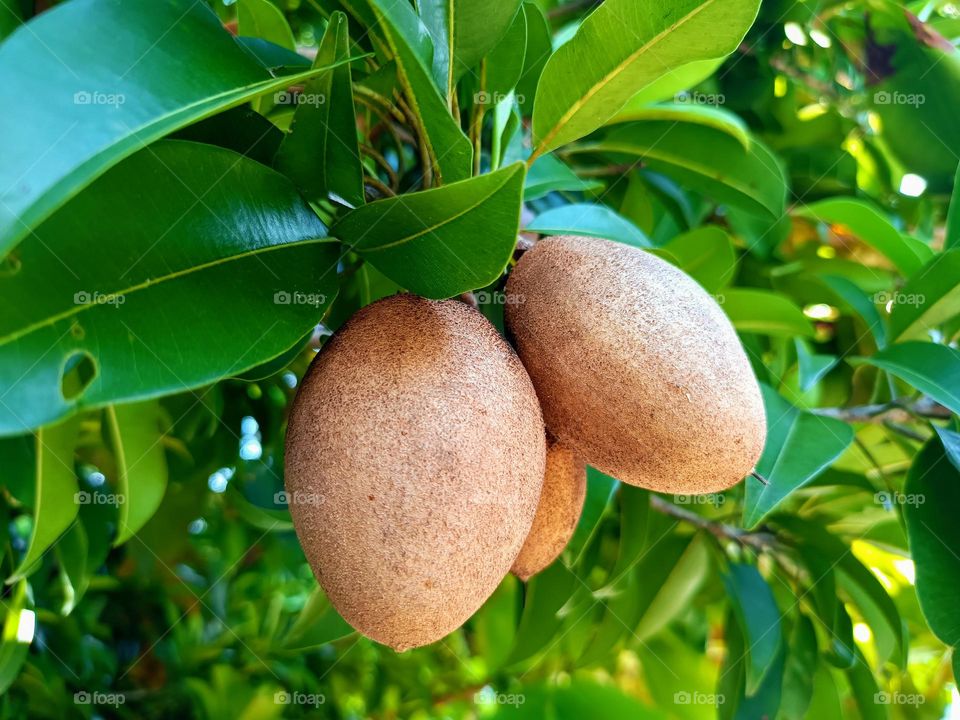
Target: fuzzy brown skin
[(637, 368), (561, 501), (415, 455)]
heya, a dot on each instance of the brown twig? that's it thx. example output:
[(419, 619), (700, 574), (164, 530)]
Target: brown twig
[(756, 540), (895, 411)]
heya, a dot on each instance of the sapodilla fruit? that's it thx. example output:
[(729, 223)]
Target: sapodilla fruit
[(561, 501), (637, 368), (415, 455)]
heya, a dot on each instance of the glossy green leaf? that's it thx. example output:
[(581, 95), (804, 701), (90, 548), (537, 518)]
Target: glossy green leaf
[(930, 297), (548, 174), (263, 19), (703, 159), (764, 312), (861, 304), (811, 366), (546, 594), (932, 369), (758, 617), (800, 445), (600, 491), (672, 85), (634, 526), (863, 220), (932, 492), (116, 82), (677, 589), (463, 32), (952, 236), (504, 64), (216, 237), (705, 254), (137, 444), (622, 46), (705, 115), (320, 154), (449, 152), (317, 624), (441, 242), (589, 219), (951, 443), (55, 501), (539, 49)]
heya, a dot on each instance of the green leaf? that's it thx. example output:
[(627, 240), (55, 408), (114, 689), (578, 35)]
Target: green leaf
[(932, 492), (863, 687), (672, 595), (546, 593), (441, 242), (600, 491), (55, 503), (317, 624), (861, 304), (11, 17), (705, 254), (539, 49), (800, 669), (449, 152), (952, 235), (116, 83), (758, 616), (263, 19), (139, 315), (931, 369), (951, 443), (320, 154), (589, 219), (812, 367), (705, 115), (622, 46), (464, 30), (703, 159), (634, 527), (548, 174), (800, 445), (929, 298), (860, 218), (673, 83), (13, 650), (141, 464), (764, 312), (504, 64)]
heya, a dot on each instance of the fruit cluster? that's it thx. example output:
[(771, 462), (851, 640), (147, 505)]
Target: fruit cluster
[(446, 460)]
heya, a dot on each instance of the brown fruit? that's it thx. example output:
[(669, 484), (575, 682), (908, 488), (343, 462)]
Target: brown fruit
[(561, 500), (414, 460), (637, 368)]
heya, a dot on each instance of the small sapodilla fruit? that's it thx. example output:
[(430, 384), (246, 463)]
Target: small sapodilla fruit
[(561, 501), (637, 368), (415, 455)]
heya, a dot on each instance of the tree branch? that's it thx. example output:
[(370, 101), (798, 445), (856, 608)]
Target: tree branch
[(756, 540)]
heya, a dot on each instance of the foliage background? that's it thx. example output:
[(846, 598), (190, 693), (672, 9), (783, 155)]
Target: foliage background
[(159, 300)]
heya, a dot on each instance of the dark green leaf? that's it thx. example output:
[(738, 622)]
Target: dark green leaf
[(317, 624), (504, 64), (929, 298), (546, 594), (952, 239), (263, 19), (441, 242), (798, 675), (139, 315), (862, 305), (116, 82), (320, 154), (549, 174), (588, 219), (758, 617), (812, 366), (932, 369)]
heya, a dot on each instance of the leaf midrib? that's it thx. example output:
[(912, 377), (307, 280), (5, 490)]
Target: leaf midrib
[(76, 310), (581, 102), (447, 221)]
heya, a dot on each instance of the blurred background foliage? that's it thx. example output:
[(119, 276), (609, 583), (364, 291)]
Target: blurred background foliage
[(805, 181)]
